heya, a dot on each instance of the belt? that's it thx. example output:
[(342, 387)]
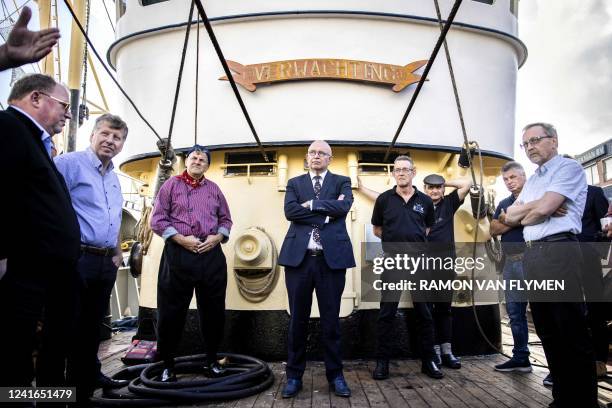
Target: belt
[(97, 250), (561, 236), (314, 252), (514, 257)]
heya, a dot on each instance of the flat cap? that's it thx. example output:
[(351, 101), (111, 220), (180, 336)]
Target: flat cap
[(434, 180)]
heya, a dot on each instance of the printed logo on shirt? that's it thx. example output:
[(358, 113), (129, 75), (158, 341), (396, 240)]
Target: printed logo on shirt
[(419, 208)]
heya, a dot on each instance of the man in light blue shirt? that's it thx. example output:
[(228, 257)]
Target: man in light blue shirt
[(550, 208), (97, 200)]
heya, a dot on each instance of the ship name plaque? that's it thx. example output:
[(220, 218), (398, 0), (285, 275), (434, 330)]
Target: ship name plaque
[(248, 76)]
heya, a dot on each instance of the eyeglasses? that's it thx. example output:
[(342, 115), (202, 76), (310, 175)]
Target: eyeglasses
[(533, 141), (314, 153), (402, 170), (64, 104)]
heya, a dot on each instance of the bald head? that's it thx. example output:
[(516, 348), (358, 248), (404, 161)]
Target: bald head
[(319, 156)]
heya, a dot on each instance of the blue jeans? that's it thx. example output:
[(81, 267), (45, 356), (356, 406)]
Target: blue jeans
[(517, 311)]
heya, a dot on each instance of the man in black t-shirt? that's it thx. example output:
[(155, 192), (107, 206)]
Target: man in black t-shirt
[(442, 234), (401, 218)]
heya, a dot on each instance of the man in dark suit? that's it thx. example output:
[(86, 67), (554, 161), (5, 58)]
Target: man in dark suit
[(315, 253), (38, 255)]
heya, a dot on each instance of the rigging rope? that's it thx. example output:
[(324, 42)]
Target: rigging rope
[(432, 58), (83, 108), (93, 49), (229, 75), (197, 88), (14, 11), (455, 92), (108, 15), (179, 80)]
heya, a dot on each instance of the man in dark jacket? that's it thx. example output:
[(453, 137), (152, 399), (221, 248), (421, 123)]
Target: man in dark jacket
[(37, 257)]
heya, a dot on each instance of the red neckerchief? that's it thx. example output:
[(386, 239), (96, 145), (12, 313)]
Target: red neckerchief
[(190, 181)]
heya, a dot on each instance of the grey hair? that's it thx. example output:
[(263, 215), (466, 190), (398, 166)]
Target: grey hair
[(114, 122), (512, 165), (403, 158), (549, 129)]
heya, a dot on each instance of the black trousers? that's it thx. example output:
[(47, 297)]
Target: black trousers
[(97, 278), (424, 326), (33, 291), (597, 305), (441, 305), (180, 272), (314, 274), (562, 326), (443, 321), (425, 329)]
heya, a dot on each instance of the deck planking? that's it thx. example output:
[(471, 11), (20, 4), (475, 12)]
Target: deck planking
[(475, 385)]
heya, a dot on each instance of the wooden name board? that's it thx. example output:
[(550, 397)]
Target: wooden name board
[(324, 68)]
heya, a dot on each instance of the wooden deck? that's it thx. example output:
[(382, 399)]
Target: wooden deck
[(476, 384)]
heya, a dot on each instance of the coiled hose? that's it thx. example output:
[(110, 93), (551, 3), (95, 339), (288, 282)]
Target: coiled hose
[(244, 376)]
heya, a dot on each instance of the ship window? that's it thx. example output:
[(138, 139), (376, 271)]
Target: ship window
[(120, 6), (368, 162), (238, 164), (485, 1), (149, 2), (514, 4)]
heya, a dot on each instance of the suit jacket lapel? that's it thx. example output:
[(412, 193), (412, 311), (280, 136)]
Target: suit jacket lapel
[(307, 187), (329, 180)]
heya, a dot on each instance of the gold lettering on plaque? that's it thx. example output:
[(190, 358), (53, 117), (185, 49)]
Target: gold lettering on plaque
[(248, 76)]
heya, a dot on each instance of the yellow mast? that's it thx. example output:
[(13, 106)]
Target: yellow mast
[(75, 71), (44, 13)]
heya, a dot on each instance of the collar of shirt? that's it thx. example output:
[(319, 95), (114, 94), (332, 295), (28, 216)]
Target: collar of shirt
[(313, 175), (95, 161), (413, 196), (45, 134), (546, 166)]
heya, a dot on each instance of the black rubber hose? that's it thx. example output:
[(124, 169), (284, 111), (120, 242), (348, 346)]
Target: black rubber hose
[(244, 376)]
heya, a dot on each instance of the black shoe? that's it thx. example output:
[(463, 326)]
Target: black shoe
[(106, 382), (340, 388), (292, 388), (430, 368), (450, 361), (381, 372), (438, 360), (214, 369), (167, 375), (515, 365), (548, 381)]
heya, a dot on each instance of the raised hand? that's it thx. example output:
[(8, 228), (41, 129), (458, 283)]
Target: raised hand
[(24, 46)]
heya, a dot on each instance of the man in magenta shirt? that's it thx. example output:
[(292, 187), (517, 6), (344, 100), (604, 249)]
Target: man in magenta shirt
[(193, 217)]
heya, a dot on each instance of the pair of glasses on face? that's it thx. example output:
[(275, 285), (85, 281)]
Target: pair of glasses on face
[(533, 141), (402, 170), (315, 153), (65, 105)]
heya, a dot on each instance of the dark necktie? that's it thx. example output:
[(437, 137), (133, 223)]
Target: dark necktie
[(316, 233)]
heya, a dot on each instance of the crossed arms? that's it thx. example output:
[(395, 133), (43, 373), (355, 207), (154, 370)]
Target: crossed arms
[(315, 212)]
